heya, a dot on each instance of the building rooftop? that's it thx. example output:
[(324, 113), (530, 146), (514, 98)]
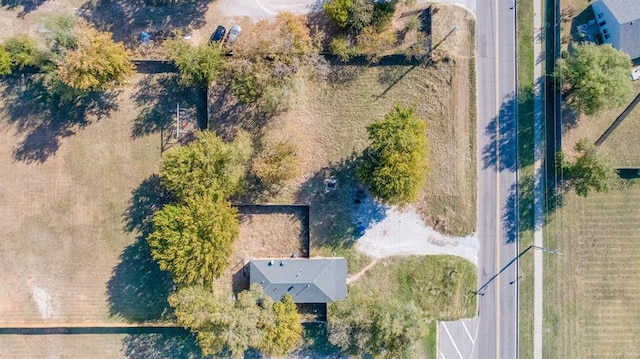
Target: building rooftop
[(307, 280)]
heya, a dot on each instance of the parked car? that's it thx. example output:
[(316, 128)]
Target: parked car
[(218, 35), (233, 33)]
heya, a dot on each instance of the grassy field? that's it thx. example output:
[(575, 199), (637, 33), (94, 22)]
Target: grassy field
[(441, 286), (591, 293), (526, 171)]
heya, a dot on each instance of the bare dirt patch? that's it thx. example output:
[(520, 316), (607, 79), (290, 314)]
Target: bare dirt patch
[(277, 231)]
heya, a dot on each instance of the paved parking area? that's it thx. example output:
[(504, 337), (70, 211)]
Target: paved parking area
[(458, 339)]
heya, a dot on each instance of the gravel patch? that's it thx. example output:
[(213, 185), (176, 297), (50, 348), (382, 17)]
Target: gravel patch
[(403, 232)]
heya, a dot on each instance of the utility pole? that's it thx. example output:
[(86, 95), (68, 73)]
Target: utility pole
[(547, 250)]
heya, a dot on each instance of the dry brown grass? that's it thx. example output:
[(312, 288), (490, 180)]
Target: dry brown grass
[(266, 232), (592, 294)]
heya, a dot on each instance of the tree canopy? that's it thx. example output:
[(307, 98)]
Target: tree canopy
[(5, 62), (199, 65), (394, 165), (23, 51), (206, 166), (252, 321), (591, 171), (193, 240), (598, 77), (375, 328), (97, 63)]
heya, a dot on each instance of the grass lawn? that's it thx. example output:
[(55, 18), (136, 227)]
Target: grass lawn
[(591, 293), (441, 286), (526, 170)]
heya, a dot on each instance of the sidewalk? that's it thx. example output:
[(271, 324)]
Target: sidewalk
[(538, 211)]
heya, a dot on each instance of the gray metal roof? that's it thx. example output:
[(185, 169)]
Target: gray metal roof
[(307, 280), (624, 10)]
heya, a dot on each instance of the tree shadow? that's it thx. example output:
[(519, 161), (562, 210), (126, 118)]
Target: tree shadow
[(159, 97), (521, 204), (340, 211), (179, 345), (316, 343), (43, 118), (502, 132), (138, 289), (27, 5), (125, 19)]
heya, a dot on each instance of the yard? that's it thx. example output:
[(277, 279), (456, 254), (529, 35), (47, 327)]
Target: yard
[(78, 187), (591, 295)]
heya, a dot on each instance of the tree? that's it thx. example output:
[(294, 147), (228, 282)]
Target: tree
[(252, 321), (373, 44), (23, 51), (597, 77), (342, 48), (338, 11), (382, 14), (199, 65), (360, 15), (5, 62), (193, 240), (277, 164), (206, 166), (377, 329), (97, 63), (394, 164), (60, 34), (286, 333), (590, 171)]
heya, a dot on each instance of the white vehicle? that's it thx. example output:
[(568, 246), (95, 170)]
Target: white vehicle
[(233, 33)]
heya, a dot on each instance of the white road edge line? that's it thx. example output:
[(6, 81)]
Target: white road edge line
[(442, 355), (473, 347), (467, 331), (452, 341)]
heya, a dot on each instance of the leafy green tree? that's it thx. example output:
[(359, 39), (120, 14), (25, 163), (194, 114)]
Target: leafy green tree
[(277, 164), (591, 171), (247, 87), (342, 48), (394, 165), (193, 240), (60, 34), (382, 14), (24, 51), (199, 65), (286, 333), (206, 166), (374, 328), (338, 11), (360, 15), (5, 62), (233, 327), (597, 77), (97, 63)]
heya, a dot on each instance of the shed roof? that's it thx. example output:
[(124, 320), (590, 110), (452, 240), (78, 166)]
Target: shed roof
[(307, 280)]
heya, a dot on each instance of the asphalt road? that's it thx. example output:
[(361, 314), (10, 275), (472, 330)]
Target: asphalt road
[(493, 334), (497, 180)]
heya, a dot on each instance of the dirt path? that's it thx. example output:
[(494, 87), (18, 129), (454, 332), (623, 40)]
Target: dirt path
[(356, 276)]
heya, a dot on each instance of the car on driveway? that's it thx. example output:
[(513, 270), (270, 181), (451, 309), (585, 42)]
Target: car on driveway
[(233, 33), (218, 35)]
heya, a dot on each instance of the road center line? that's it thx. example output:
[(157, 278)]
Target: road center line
[(452, 341)]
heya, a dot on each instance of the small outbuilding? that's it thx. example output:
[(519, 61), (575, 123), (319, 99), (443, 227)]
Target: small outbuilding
[(306, 280)]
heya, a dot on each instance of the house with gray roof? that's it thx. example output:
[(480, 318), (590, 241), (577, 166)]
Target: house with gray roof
[(619, 24), (306, 280)]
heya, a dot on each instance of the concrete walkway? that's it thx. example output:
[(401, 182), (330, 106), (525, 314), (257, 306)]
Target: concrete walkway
[(538, 211)]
